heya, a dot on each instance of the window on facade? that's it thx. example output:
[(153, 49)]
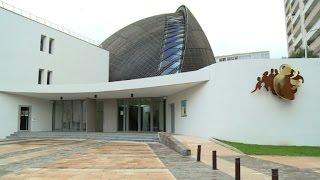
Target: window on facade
[(51, 45), (43, 42), (49, 77), (40, 76), (183, 108), (222, 59)]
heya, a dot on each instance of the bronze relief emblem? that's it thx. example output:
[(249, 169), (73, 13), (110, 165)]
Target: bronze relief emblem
[(283, 82)]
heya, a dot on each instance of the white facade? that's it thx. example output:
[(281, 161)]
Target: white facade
[(72, 61), (218, 99), (224, 108)]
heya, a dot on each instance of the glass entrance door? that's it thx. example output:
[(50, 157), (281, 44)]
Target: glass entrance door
[(140, 114)]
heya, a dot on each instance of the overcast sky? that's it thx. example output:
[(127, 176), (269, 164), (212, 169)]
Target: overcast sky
[(232, 26)]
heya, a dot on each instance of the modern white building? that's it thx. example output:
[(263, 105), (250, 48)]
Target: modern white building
[(162, 78), (246, 56)]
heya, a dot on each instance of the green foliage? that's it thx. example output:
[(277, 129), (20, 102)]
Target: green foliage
[(254, 149), (300, 54)]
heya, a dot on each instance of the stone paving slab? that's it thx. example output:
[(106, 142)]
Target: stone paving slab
[(89, 159), (35, 162), (285, 171), (93, 159), (302, 162), (85, 174), (184, 167)]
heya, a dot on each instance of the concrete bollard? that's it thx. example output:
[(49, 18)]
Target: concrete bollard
[(274, 174), (199, 153), (214, 160), (237, 169)]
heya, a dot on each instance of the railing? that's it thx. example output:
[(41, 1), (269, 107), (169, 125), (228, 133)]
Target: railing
[(40, 20)]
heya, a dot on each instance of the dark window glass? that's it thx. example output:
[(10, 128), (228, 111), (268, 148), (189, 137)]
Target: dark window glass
[(40, 75), (49, 77), (171, 52), (172, 44), (42, 42), (51, 45)]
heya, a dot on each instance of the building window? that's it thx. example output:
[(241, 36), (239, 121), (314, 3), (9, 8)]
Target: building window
[(49, 77), (183, 108), (43, 42), (51, 45), (40, 76)]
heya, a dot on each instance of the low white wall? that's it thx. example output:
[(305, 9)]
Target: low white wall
[(41, 113), (110, 115), (224, 108)]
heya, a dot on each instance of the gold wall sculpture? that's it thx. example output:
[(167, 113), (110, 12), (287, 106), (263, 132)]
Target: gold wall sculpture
[(282, 82)]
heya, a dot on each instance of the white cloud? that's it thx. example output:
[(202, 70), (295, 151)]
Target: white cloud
[(232, 26)]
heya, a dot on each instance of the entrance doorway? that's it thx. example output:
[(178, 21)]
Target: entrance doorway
[(24, 119), (141, 114)]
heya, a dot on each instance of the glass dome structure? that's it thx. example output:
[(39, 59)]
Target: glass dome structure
[(158, 45)]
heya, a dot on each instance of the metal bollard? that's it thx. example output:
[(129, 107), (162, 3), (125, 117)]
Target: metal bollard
[(275, 174), (199, 153), (237, 169), (214, 160)]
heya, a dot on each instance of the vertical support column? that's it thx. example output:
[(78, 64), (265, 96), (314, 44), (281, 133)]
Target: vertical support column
[(139, 115), (53, 115), (127, 116), (151, 116), (164, 114)]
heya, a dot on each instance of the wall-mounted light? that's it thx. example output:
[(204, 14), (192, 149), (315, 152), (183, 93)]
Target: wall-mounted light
[(61, 98), (131, 95), (95, 96)]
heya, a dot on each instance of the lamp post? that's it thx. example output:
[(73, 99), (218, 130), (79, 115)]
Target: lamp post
[(306, 42)]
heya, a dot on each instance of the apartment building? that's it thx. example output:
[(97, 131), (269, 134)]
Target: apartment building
[(249, 55), (303, 25)]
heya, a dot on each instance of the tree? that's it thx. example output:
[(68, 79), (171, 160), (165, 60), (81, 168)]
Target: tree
[(300, 54)]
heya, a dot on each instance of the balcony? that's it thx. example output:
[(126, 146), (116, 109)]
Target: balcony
[(313, 16), (290, 40), (297, 29), (296, 18), (295, 6), (287, 8), (309, 6), (297, 42), (315, 45), (288, 21), (289, 31), (290, 49), (314, 32)]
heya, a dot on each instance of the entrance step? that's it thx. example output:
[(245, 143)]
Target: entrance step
[(117, 136)]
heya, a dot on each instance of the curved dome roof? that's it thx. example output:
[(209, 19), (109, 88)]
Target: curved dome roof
[(158, 45)]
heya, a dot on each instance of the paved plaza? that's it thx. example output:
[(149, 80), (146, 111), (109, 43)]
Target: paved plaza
[(93, 159), (101, 159)]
